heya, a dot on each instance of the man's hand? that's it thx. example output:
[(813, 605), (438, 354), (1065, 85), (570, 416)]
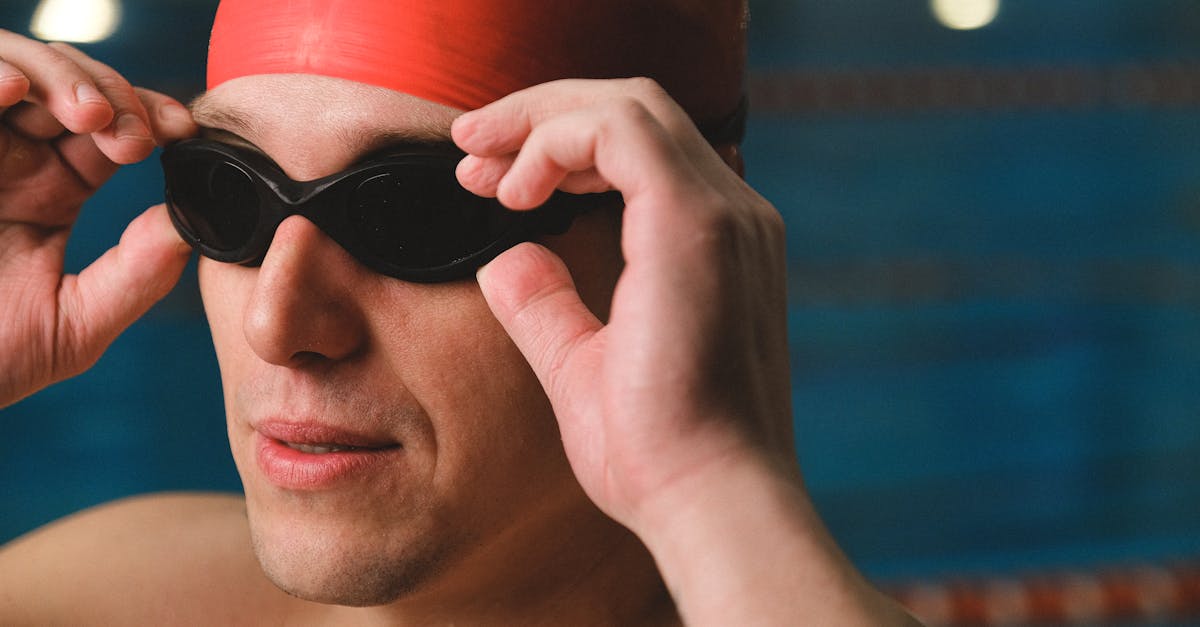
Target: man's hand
[(691, 367), (66, 122), (675, 413)]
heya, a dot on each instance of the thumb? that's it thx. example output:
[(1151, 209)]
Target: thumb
[(107, 296), (531, 293)]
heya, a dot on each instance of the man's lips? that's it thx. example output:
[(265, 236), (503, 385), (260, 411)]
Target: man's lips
[(316, 436), (311, 456)]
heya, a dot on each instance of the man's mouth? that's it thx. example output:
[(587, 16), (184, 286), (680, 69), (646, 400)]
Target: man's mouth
[(312, 456), (324, 448), (320, 449)]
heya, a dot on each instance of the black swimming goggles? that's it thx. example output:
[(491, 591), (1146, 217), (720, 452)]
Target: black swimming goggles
[(402, 213)]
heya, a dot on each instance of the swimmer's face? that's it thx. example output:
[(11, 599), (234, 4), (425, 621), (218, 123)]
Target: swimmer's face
[(452, 456)]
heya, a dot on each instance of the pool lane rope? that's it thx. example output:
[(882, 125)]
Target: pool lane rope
[(1146, 592)]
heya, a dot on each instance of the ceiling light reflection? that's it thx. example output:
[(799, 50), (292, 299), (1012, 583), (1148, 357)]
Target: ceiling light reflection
[(78, 21), (965, 14)]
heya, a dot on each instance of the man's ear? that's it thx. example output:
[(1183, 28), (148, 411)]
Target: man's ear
[(731, 154)]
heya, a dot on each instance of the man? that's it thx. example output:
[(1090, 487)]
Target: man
[(595, 430)]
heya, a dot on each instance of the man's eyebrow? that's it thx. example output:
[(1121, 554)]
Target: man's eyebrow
[(366, 139), (208, 114)]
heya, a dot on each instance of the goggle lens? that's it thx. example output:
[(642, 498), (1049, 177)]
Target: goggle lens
[(215, 201), (423, 222)]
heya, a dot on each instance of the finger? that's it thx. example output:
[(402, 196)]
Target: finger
[(620, 139), (501, 127), (169, 119), (586, 182), (127, 138), (119, 287), (57, 83), (13, 84), (482, 175), (33, 121), (530, 291), (85, 159)]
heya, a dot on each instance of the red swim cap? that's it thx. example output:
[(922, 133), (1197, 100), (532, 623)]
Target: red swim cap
[(467, 53)]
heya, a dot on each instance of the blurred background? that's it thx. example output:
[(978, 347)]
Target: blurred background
[(993, 213)]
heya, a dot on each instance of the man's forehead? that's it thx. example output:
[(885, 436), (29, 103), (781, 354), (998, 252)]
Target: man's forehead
[(324, 110)]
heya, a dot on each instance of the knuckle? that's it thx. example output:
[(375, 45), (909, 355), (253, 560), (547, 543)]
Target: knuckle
[(732, 227), (102, 75), (717, 230), (72, 354), (627, 108), (64, 47), (645, 87), (112, 84), (624, 114), (557, 364), (149, 96), (95, 64), (59, 64), (660, 105)]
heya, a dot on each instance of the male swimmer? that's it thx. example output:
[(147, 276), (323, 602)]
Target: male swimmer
[(559, 399)]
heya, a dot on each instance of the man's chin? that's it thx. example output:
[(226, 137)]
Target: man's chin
[(359, 574)]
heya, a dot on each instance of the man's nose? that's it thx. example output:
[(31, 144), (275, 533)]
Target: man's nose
[(304, 305)]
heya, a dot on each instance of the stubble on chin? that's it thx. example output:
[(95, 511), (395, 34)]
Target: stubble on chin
[(359, 573)]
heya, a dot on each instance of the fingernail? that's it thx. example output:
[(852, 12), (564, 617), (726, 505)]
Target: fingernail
[(513, 198), (130, 125), (467, 169), (85, 92), (481, 275), (461, 129)]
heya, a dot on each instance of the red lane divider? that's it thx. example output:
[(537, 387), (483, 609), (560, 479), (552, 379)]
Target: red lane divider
[(1143, 592)]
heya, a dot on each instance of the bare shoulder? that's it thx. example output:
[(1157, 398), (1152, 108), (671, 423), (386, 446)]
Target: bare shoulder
[(165, 558)]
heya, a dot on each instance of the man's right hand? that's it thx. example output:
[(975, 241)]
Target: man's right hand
[(66, 123)]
